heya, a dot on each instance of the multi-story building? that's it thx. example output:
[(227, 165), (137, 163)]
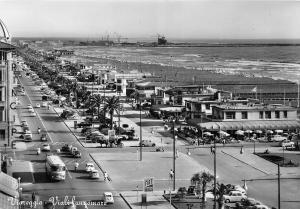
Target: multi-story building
[(6, 79), (252, 117)]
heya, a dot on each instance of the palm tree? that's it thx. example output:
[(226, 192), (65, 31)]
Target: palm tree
[(221, 190), (96, 101), (202, 179), (112, 105), (206, 178), (196, 180)]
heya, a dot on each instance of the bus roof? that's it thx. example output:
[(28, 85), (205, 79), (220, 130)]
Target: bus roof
[(55, 160)]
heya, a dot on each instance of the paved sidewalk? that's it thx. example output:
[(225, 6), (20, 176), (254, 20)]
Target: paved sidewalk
[(261, 164), (154, 200)]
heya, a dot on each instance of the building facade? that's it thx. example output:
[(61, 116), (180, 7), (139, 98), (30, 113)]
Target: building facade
[(6, 82)]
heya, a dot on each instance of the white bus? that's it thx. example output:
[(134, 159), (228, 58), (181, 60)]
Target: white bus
[(55, 168)]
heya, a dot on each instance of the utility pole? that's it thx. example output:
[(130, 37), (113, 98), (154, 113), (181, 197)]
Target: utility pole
[(215, 174), (141, 149), (174, 154), (278, 186)]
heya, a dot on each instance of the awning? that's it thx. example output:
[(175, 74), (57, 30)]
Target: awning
[(8, 202), (8, 185), (172, 109), (250, 125)]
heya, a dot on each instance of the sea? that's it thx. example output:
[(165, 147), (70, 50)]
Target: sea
[(277, 59)]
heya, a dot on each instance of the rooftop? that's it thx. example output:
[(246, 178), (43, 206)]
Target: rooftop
[(252, 107)]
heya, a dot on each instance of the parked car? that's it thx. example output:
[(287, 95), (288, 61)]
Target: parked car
[(44, 104), (25, 128), (287, 144), (68, 114), (46, 147), (29, 106), (148, 143), (66, 148), (251, 202), (26, 132), (76, 154), (108, 198), (21, 93), (278, 138), (24, 123), (37, 105), (27, 137), (44, 137), (238, 188), (234, 196), (31, 110), (84, 124), (261, 207), (89, 167), (33, 114), (94, 174)]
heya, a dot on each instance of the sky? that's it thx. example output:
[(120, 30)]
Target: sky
[(182, 19)]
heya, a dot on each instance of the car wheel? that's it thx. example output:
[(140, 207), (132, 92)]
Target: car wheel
[(153, 145), (227, 200), (242, 200)]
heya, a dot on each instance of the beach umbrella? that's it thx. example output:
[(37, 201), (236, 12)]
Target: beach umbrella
[(269, 131), (248, 131), (258, 131), (207, 133), (279, 131), (223, 133), (239, 132)]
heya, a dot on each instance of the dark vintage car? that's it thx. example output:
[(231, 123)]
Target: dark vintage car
[(76, 154), (84, 124), (66, 148), (44, 137)]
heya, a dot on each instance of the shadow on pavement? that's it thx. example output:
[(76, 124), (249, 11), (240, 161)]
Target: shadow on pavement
[(41, 177), (84, 177), (149, 203), (26, 177)]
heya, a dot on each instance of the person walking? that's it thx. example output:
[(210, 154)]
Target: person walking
[(76, 165), (171, 174), (33, 197), (39, 130)]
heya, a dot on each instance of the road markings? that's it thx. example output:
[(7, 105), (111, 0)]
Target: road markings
[(38, 115), (68, 172)]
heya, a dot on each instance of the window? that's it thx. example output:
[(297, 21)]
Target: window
[(2, 135), (2, 114), (230, 115), (268, 114), (244, 115), (207, 106), (277, 114), (261, 115), (285, 114)]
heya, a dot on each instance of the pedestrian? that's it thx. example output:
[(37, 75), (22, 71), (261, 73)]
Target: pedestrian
[(76, 165), (33, 196), (171, 174), (211, 149), (242, 150), (105, 176)]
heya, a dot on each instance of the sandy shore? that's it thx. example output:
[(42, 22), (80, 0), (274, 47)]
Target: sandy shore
[(175, 76)]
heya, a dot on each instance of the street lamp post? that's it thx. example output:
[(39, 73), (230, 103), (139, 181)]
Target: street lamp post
[(141, 149), (174, 154), (278, 186), (253, 147), (215, 173)]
